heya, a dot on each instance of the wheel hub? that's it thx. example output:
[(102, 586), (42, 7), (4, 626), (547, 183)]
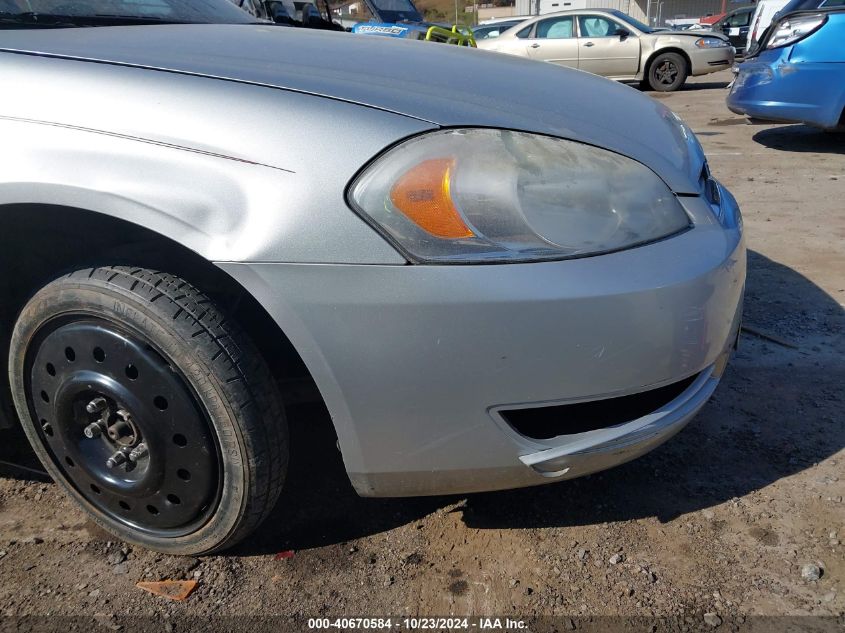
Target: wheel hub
[(123, 426), (667, 72), (113, 423)]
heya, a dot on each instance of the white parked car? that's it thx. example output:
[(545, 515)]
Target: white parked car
[(763, 15)]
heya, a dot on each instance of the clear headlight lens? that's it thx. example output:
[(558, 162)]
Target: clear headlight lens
[(479, 195), (795, 28), (711, 42)]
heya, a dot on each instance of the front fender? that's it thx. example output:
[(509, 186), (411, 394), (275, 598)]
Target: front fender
[(222, 209), (236, 172)]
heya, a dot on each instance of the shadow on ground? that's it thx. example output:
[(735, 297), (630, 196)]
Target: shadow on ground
[(706, 85), (801, 138), (775, 414), (692, 86)]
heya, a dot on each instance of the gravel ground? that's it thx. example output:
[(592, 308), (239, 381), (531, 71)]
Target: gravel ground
[(732, 519)]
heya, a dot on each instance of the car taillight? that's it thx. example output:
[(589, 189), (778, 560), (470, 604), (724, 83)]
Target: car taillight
[(795, 28)]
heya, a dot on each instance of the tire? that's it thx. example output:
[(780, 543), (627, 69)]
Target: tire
[(152, 363), (667, 72)]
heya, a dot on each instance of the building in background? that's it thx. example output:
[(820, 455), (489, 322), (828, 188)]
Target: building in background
[(491, 11)]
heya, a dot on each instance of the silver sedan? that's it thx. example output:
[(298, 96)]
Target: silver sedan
[(615, 45), (490, 288)]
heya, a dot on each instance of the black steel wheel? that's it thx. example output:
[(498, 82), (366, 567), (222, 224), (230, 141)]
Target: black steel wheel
[(667, 72), (160, 418)]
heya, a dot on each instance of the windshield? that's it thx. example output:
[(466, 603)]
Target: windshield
[(93, 12), (635, 23), (395, 11)]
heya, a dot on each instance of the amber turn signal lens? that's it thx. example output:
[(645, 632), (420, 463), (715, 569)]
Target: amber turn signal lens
[(423, 194)]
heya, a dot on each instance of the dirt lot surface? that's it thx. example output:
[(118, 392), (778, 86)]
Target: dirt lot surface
[(723, 520)]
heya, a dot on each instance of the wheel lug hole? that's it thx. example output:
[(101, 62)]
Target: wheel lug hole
[(69, 461), (160, 403), (124, 505), (152, 510), (70, 354), (173, 500), (45, 397), (183, 474), (132, 372), (95, 489), (51, 369), (180, 440), (99, 354)]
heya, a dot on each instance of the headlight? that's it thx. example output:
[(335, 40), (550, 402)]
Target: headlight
[(792, 29), (480, 195), (710, 42)]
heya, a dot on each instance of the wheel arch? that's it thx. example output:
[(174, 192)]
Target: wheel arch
[(40, 242), (666, 49)]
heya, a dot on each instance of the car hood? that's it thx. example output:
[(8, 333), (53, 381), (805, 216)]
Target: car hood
[(686, 36), (444, 85)]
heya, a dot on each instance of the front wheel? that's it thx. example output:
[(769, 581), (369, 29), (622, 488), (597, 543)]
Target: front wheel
[(668, 72), (157, 415)]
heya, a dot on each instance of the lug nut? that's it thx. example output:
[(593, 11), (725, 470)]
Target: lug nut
[(116, 460), (93, 430), (96, 405), (138, 452)]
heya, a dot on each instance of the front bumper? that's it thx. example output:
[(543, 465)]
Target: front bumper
[(711, 60), (773, 88), (416, 363), (613, 446)]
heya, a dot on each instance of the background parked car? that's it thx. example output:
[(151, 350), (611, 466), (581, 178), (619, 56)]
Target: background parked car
[(735, 26), (291, 13), (615, 45), (799, 72), (764, 13), (791, 7), (489, 31)]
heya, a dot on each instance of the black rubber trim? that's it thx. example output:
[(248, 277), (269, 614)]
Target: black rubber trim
[(543, 423)]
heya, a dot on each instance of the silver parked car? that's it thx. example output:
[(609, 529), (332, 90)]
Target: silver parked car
[(490, 31), (490, 288), (615, 45)]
